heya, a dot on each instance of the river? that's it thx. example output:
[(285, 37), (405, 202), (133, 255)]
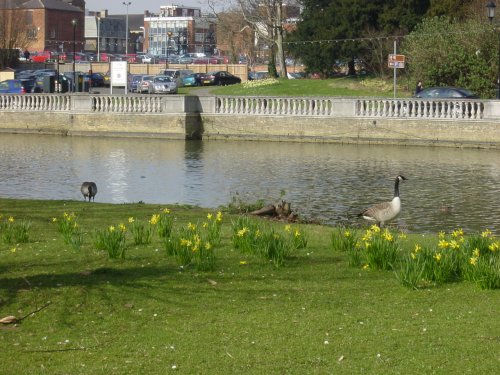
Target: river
[(447, 188)]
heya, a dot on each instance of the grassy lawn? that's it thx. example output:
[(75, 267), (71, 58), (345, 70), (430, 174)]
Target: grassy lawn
[(147, 315), (343, 86)]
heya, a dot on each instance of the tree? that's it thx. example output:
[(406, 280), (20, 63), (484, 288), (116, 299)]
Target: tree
[(346, 29), (442, 52), (14, 36), (266, 18)]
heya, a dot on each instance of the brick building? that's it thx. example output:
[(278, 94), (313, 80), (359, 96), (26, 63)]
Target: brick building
[(49, 22)]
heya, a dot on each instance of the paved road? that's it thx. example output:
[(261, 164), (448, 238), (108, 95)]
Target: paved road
[(197, 91)]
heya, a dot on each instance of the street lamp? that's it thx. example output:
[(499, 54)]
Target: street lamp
[(169, 34), (98, 39), (74, 22), (490, 7), (126, 3)]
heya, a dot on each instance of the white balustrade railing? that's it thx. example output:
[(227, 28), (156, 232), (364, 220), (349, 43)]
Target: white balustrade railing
[(420, 108), (40, 102), (270, 106), (127, 103), (274, 106)]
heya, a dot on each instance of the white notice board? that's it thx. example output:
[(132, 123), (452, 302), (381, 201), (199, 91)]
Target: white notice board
[(118, 74)]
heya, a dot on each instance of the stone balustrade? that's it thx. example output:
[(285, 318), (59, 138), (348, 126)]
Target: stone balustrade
[(255, 106)]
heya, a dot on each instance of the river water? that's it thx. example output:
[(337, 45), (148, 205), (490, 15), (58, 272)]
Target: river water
[(447, 188)]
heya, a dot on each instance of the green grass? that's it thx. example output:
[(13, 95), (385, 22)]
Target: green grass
[(344, 86), (145, 314)]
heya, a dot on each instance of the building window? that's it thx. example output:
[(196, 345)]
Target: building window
[(32, 33), (52, 33)]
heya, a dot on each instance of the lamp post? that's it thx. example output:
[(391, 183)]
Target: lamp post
[(126, 3), (490, 7), (74, 22), (98, 39), (169, 34)]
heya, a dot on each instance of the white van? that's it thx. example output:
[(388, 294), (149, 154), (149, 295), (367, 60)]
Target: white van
[(176, 74)]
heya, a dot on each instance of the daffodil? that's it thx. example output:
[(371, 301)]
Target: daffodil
[(413, 256), (13, 250), (219, 216), (476, 252), (457, 233), (210, 216), (375, 228), (208, 246), (417, 248), (296, 233), (54, 219), (443, 244), (366, 266), (154, 219), (454, 245), (437, 256), (288, 228), (205, 224), (473, 261), (347, 234), (166, 211), (111, 228), (11, 219), (131, 219), (486, 233), (441, 234), (242, 232), (122, 227), (494, 246)]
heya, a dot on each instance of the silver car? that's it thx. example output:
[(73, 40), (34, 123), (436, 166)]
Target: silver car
[(162, 85)]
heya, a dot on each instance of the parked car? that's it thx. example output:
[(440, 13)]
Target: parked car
[(253, 76), (192, 79), (133, 81), (97, 80), (220, 78), (162, 85), (143, 84), (12, 86), (446, 93), (176, 74)]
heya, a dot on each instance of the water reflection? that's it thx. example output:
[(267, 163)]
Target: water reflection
[(447, 188)]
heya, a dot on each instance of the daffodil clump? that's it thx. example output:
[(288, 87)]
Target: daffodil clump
[(68, 227), (163, 222), (13, 231), (265, 242), (260, 83), (454, 257), (347, 240), (380, 247), (142, 233), (113, 240), (194, 243)]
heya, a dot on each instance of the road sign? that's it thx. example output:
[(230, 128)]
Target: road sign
[(396, 61)]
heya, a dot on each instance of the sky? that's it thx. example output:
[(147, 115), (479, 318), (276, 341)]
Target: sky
[(139, 6)]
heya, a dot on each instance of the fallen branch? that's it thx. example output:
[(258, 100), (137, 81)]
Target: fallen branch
[(11, 319)]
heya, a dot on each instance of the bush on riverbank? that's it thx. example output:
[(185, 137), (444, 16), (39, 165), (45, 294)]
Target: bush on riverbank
[(146, 314)]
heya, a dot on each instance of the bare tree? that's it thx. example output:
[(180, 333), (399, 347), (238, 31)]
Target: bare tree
[(14, 35), (266, 19)]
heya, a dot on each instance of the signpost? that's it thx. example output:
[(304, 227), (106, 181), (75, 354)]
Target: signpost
[(396, 61)]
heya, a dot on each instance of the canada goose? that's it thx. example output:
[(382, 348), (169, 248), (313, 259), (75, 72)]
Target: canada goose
[(89, 189), (385, 211)]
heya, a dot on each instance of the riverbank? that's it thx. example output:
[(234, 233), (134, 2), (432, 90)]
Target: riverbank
[(144, 313)]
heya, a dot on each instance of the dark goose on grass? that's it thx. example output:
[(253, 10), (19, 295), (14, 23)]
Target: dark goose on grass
[(89, 190)]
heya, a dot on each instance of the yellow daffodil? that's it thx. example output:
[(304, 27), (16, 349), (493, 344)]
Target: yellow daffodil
[(494, 246), (54, 219), (191, 226), (111, 228), (486, 233), (375, 228), (208, 246), (242, 232), (296, 233), (454, 245), (154, 219), (131, 219), (437, 256), (11, 219), (13, 250), (122, 227), (402, 236), (473, 261), (219, 216), (288, 228), (166, 211), (413, 256), (210, 216), (205, 224), (347, 234), (476, 252), (441, 234), (243, 262), (417, 248), (388, 236), (443, 244), (457, 233), (366, 266)]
